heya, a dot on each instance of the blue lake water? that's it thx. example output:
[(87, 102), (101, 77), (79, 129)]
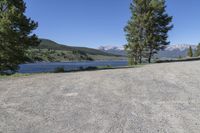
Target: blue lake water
[(68, 66)]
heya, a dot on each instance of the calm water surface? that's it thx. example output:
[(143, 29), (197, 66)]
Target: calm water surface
[(68, 66)]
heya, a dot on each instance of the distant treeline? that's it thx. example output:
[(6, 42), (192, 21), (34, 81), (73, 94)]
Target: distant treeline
[(178, 60)]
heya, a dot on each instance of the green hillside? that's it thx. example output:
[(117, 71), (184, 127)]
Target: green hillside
[(48, 44), (51, 51)]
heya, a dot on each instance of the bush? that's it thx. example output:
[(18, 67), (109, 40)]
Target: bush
[(91, 68), (105, 67), (81, 68), (59, 70)]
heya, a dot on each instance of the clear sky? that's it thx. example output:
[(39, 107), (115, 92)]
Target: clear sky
[(93, 23)]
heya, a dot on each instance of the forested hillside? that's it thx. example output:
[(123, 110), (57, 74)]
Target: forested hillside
[(51, 51)]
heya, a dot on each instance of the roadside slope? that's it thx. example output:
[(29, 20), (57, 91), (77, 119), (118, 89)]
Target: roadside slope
[(154, 98)]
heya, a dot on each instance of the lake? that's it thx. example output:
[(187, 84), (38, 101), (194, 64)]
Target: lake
[(68, 66)]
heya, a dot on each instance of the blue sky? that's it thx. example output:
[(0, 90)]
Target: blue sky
[(93, 23)]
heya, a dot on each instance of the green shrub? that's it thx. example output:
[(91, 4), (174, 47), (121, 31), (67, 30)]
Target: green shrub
[(105, 67), (59, 70), (91, 68)]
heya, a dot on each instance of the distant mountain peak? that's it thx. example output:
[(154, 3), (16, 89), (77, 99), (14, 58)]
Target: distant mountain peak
[(171, 51), (117, 50), (111, 47), (180, 47)]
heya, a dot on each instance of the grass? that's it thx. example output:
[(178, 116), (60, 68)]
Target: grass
[(93, 68), (179, 60), (123, 67), (105, 67), (14, 75), (62, 70)]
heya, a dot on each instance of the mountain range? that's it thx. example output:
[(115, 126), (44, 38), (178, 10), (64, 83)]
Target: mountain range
[(49, 50), (171, 51)]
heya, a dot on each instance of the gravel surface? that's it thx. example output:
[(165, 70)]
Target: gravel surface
[(162, 98)]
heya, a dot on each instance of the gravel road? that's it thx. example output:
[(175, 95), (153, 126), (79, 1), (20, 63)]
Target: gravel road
[(157, 98)]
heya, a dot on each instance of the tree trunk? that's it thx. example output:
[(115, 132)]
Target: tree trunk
[(140, 56), (150, 55), (140, 60)]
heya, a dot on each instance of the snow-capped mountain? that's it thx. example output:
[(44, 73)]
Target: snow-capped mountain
[(117, 50), (109, 47), (175, 51), (180, 47), (171, 51)]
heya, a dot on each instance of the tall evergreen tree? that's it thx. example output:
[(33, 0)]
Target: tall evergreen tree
[(15, 34), (135, 31), (147, 30), (197, 52), (157, 27), (190, 52)]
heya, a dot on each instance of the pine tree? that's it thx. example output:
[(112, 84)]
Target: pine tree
[(157, 27), (197, 52), (190, 52), (135, 31), (147, 31), (15, 34)]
